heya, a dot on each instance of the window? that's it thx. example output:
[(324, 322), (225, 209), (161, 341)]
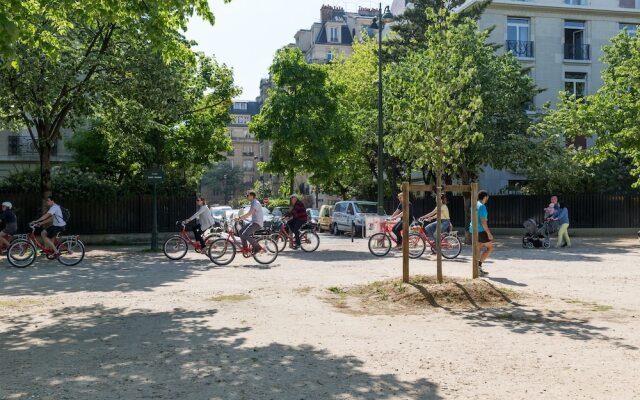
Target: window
[(575, 83), (247, 165), (241, 119), (575, 2), (239, 106), (632, 29), (23, 146), (333, 34), (247, 150), (575, 47), (630, 3), (330, 55), (518, 37)]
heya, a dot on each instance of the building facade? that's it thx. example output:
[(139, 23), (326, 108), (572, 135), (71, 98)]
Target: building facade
[(560, 41), (18, 152), (334, 34)]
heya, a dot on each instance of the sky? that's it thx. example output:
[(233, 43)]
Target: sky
[(247, 33)]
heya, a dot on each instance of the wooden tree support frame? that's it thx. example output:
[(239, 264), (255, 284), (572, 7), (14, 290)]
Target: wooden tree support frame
[(407, 188)]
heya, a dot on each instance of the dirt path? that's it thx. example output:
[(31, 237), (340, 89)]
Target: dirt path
[(133, 325)]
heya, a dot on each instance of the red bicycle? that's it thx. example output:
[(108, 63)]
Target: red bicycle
[(309, 240), (223, 250), (380, 243), (22, 251), (176, 247), (449, 242)]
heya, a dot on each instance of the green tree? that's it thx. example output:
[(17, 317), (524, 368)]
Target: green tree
[(56, 85), (299, 117), (611, 115), (227, 177)]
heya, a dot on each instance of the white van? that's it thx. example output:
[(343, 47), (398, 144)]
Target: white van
[(347, 213)]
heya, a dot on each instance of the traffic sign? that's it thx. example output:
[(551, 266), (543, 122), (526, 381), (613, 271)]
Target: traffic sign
[(154, 175)]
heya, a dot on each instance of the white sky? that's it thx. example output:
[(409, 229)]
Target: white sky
[(247, 33)]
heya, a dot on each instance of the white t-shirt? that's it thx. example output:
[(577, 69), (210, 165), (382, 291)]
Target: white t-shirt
[(56, 213)]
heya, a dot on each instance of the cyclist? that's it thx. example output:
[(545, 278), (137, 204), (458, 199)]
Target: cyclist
[(10, 225), (205, 219), (397, 228), (298, 215), (444, 215), (59, 225), (257, 220)]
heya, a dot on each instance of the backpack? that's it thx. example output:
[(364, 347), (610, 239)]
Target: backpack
[(66, 214)]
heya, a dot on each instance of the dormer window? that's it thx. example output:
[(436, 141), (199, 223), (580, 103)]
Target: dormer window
[(333, 35), (239, 106)]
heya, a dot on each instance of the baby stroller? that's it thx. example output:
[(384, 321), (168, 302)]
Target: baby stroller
[(538, 235)]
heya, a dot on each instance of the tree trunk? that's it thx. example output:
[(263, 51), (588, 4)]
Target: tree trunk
[(45, 172), (292, 181), (467, 178)]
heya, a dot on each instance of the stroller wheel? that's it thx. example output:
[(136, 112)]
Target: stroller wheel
[(529, 245), (546, 244)]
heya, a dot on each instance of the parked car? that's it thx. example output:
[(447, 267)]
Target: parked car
[(268, 217), (280, 211), (324, 218), (219, 214), (313, 214), (348, 213)]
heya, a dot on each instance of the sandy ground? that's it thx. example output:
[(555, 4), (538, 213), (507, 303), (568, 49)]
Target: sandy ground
[(133, 325)]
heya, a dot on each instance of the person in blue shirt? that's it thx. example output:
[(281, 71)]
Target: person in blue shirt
[(485, 238), (562, 216)]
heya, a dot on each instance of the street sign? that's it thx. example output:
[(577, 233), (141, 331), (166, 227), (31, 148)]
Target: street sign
[(154, 175)]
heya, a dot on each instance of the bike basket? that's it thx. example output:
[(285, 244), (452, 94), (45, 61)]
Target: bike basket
[(22, 236)]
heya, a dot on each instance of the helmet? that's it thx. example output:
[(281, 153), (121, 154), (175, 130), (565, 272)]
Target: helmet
[(7, 204), (294, 195)]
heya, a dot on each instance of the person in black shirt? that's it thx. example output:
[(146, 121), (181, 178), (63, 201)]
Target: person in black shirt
[(10, 225), (397, 228)]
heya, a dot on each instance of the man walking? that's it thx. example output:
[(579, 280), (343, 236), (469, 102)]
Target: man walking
[(485, 238)]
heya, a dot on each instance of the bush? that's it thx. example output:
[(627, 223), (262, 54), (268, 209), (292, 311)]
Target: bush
[(277, 203)]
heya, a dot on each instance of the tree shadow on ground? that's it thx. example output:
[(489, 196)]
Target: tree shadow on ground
[(101, 271), (522, 319), (327, 255), (111, 353)]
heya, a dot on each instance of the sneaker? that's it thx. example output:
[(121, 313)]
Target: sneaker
[(257, 249), (53, 256), (564, 245), (483, 272)]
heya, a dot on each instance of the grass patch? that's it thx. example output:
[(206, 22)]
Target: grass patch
[(231, 297), (591, 306), (337, 290), (15, 303)]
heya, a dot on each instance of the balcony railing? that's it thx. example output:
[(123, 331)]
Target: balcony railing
[(247, 153), (24, 146), (576, 51), (520, 49)]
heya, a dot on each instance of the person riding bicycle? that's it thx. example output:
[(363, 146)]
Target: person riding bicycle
[(444, 216), (298, 217), (397, 228), (257, 220), (10, 225), (59, 224), (205, 219)]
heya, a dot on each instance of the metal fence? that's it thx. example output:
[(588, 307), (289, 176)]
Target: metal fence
[(120, 215), (510, 211)]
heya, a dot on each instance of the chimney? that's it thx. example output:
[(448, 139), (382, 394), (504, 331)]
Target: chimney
[(329, 13)]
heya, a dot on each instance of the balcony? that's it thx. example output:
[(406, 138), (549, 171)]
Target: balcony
[(520, 49), (247, 153), (576, 51)]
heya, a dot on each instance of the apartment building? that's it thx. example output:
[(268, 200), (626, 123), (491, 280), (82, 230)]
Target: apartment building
[(561, 42), (18, 152), (334, 34)]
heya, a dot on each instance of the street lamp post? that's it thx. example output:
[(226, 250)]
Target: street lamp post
[(378, 24)]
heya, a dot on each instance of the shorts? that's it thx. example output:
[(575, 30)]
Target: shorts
[(52, 231), (483, 237), (10, 229)]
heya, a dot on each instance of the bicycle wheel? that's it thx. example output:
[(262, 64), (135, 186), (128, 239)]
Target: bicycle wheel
[(21, 253), (221, 251), (280, 239), (71, 252), (175, 247), (451, 247), (309, 241), (379, 244), (269, 251), (416, 245)]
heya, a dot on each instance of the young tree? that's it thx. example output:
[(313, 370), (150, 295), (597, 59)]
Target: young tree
[(299, 117), (54, 86)]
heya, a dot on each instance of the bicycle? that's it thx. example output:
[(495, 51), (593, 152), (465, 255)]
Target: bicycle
[(309, 239), (22, 251), (380, 243), (176, 247), (223, 250), (449, 243)]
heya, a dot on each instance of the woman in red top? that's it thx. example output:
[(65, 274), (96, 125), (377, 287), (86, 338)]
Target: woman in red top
[(298, 214)]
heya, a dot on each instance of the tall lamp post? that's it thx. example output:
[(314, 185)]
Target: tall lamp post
[(378, 24)]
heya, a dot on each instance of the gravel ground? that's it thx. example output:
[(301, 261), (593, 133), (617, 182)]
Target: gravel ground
[(128, 324)]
